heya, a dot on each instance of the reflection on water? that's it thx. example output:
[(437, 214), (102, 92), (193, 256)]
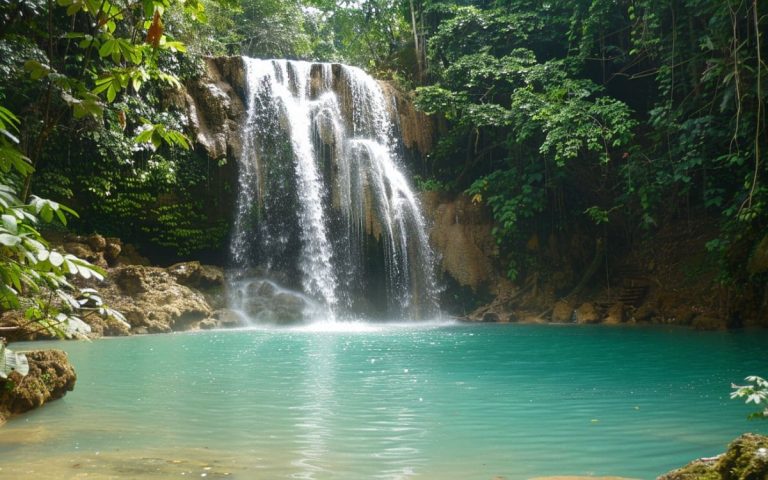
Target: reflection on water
[(351, 401), (317, 409)]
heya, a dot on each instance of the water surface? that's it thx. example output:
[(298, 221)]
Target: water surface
[(390, 402)]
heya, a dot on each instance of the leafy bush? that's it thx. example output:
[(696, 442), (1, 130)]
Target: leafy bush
[(756, 392), (34, 277)]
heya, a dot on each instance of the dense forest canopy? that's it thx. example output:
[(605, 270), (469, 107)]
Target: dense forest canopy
[(619, 116)]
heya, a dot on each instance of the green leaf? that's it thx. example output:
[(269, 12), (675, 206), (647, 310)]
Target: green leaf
[(107, 48), (8, 119), (10, 223), (9, 240), (36, 69), (56, 259)]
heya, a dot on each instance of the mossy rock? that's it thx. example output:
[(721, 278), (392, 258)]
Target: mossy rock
[(746, 459)]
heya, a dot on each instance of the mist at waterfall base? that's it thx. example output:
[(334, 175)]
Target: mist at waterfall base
[(327, 225)]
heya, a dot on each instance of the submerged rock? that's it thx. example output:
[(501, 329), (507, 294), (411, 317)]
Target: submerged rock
[(50, 377), (745, 459)]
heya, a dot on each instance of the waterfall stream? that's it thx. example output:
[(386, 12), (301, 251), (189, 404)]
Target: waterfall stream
[(323, 205)]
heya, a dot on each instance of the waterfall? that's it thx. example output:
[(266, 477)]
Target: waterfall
[(323, 205)]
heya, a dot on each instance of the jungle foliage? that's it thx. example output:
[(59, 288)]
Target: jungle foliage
[(64, 67), (86, 80), (627, 113), (618, 115)]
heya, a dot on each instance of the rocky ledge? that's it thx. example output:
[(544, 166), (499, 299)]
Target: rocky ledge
[(184, 296), (50, 377), (745, 459)]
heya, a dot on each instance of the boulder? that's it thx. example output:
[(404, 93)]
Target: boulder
[(84, 251), (129, 255), (261, 299), (227, 318), (287, 308), (208, 324), (113, 250), (96, 242), (745, 459), (586, 313), (615, 314), (562, 312), (645, 313), (50, 377), (102, 251), (153, 301), (195, 275)]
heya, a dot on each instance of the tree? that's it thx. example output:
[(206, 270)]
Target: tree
[(522, 118)]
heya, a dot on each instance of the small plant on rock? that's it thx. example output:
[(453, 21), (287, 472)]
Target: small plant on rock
[(756, 392)]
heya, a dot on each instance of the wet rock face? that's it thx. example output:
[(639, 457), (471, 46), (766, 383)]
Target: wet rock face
[(758, 261), (50, 377), (461, 235), (416, 128), (745, 459), (215, 106)]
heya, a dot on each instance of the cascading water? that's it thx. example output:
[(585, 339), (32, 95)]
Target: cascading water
[(323, 205)]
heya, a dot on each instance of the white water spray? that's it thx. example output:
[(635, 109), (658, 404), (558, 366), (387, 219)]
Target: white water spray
[(322, 195)]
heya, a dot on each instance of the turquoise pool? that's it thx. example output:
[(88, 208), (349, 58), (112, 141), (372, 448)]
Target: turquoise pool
[(376, 401)]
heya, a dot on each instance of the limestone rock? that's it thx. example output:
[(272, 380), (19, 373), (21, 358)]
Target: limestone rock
[(416, 128), (208, 324), (152, 300), (645, 313), (112, 250), (562, 312), (101, 251), (758, 261), (586, 313), (461, 235), (50, 377), (227, 318), (262, 300), (745, 459), (215, 106), (130, 256), (195, 275), (97, 242), (615, 314)]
